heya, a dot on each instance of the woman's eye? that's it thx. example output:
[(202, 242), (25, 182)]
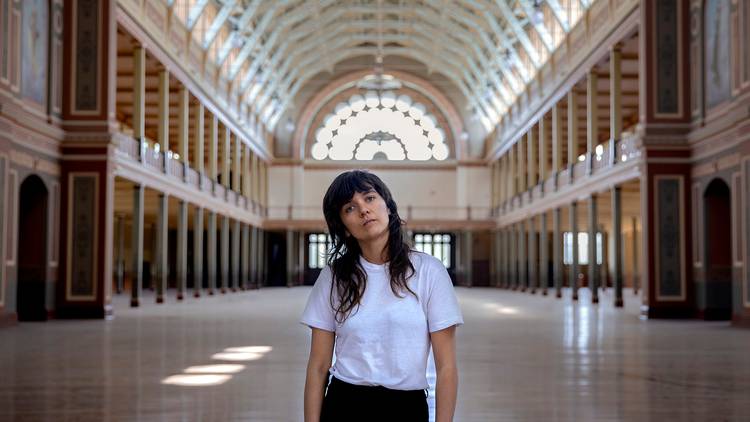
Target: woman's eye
[(370, 198)]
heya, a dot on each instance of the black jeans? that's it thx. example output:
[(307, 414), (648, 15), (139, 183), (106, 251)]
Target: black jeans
[(349, 402)]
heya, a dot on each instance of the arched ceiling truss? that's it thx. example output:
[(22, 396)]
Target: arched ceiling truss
[(489, 49)]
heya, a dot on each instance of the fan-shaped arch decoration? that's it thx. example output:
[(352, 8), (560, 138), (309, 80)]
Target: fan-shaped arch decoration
[(364, 126)]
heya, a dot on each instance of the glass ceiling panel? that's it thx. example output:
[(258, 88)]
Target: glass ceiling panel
[(505, 42)]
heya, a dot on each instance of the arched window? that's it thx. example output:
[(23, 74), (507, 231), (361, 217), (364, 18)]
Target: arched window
[(380, 126)]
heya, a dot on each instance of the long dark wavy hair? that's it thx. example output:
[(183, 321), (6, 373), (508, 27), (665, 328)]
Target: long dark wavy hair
[(349, 278)]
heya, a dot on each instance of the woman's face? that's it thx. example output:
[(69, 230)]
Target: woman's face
[(365, 216)]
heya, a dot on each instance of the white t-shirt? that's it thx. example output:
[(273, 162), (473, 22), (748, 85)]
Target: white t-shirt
[(386, 340)]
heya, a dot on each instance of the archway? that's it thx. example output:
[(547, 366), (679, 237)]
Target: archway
[(32, 250), (717, 290)]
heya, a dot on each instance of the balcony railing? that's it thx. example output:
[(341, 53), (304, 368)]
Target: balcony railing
[(626, 149), (158, 161)]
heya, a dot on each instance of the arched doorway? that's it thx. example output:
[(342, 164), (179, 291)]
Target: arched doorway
[(32, 250), (717, 291)]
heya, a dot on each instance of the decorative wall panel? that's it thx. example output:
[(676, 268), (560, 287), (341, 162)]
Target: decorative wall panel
[(716, 48), (3, 211), (87, 33), (746, 228), (669, 249), (34, 50), (82, 226), (667, 60)]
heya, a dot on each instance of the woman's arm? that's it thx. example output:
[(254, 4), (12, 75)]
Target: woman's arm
[(444, 350), (318, 364)]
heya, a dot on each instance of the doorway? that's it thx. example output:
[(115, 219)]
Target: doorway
[(32, 250), (717, 292)]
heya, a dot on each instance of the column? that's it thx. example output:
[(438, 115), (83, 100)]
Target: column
[(592, 122), (615, 103), (211, 250), (557, 136), (507, 257), (137, 246), (634, 246), (469, 257), (162, 131), (197, 251), (572, 131), (513, 172), (224, 253), (262, 238), (593, 265), (513, 257), (542, 135), (245, 260), (162, 263), (523, 262), (557, 252), (183, 116), (574, 254), (246, 173), (493, 261), (531, 158), (522, 173), (213, 150), (300, 258), (86, 169), (235, 255), (518, 255), (255, 181), (182, 237), (665, 90), (139, 93), (254, 261), (120, 265), (533, 262), (617, 244), (290, 258), (498, 257), (503, 179), (199, 139), (264, 185), (236, 165), (225, 158), (543, 253)]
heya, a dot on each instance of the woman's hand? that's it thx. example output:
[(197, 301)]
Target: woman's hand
[(444, 351), (318, 364)]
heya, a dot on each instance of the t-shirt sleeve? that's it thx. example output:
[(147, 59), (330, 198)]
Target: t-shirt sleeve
[(318, 312), (442, 305)]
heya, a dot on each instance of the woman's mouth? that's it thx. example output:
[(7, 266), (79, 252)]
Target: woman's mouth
[(368, 222)]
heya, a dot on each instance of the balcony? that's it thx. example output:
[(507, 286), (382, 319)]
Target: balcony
[(177, 171), (608, 166)]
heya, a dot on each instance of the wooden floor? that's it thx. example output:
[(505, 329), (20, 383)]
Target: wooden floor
[(521, 357)]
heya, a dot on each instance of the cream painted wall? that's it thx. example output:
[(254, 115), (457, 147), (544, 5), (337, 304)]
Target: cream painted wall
[(439, 188)]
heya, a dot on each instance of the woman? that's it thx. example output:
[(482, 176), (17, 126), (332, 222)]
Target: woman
[(383, 305)]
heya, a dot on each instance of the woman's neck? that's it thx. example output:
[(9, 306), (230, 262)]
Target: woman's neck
[(375, 250)]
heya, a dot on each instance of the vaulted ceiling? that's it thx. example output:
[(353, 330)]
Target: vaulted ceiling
[(277, 52)]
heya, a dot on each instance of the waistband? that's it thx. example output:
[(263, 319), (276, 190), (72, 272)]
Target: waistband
[(337, 383)]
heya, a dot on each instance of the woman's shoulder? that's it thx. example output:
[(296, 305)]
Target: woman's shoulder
[(423, 261)]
